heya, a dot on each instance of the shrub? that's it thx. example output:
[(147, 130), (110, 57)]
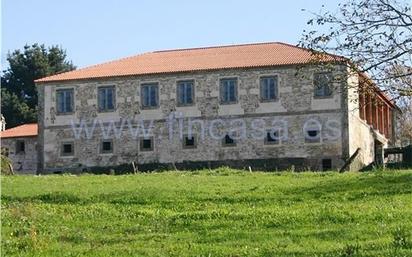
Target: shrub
[(6, 167)]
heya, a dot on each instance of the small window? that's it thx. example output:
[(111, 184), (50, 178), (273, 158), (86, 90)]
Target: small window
[(106, 98), (67, 149), (268, 88), (228, 141), (150, 95), (189, 142), (185, 92), (146, 144), (20, 146), (272, 137), (326, 164), (312, 136), (107, 146), (65, 101), (228, 91), (322, 83)]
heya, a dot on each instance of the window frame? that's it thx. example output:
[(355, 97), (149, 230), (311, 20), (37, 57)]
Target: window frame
[(149, 84), (178, 90), (141, 144), (102, 151), (106, 109), (71, 90), (276, 89), (329, 86), (221, 90), (62, 153)]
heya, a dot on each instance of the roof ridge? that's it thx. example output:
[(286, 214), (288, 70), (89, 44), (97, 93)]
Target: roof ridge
[(214, 47)]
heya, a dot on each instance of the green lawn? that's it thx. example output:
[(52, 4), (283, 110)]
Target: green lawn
[(208, 213)]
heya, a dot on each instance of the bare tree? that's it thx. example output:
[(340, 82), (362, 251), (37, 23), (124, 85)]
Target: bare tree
[(375, 35)]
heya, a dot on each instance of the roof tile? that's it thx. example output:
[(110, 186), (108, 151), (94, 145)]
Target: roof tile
[(194, 59), (25, 130)]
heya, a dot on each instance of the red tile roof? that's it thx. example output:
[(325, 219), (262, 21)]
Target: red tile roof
[(25, 130), (195, 59)]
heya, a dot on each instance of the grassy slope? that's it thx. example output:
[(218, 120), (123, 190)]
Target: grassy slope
[(208, 214)]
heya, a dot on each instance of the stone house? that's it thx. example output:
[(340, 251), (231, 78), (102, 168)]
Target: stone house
[(19, 144), (263, 105)]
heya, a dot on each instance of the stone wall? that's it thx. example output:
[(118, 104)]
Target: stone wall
[(23, 162), (295, 106)]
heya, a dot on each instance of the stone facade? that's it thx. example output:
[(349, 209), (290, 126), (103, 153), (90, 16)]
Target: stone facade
[(295, 106), (24, 162)]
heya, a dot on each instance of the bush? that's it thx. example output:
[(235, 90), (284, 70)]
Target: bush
[(6, 167)]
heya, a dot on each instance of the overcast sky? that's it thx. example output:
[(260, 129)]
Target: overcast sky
[(95, 31)]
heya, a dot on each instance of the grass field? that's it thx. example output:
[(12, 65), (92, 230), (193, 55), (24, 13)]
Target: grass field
[(208, 213)]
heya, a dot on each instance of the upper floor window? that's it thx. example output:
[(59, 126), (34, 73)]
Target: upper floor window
[(150, 95), (106, 98), (185, 92), (65, 101), (228, 91), (268, 88), (322, 83)]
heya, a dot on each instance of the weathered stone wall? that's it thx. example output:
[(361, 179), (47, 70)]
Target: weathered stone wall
[(295, 105), (23, 162), (361, 135)]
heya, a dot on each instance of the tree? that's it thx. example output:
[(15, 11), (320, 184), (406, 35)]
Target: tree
[(375, 35), (18, 91)]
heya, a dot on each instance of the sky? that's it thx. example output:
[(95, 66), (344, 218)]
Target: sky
[(96, 31)]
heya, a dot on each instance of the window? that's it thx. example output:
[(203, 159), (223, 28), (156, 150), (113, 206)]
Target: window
[(106, 98), (189, 142), (150, 95), (272, 137), (106, 146), (326, 164), (185, 92), (268, 88), (146, 144), (20, 146), (228, 141), (67, 149), (228, 91), (312, 136), (64, 101), (322, 85)]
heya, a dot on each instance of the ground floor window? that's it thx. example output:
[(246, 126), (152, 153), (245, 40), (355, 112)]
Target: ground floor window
[(326, 164), (189, 142), (67, 149), (228, 141), (20, 146), (107, 146), (146, 144)]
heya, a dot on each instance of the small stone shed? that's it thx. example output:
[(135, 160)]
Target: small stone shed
[(19, 144)]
